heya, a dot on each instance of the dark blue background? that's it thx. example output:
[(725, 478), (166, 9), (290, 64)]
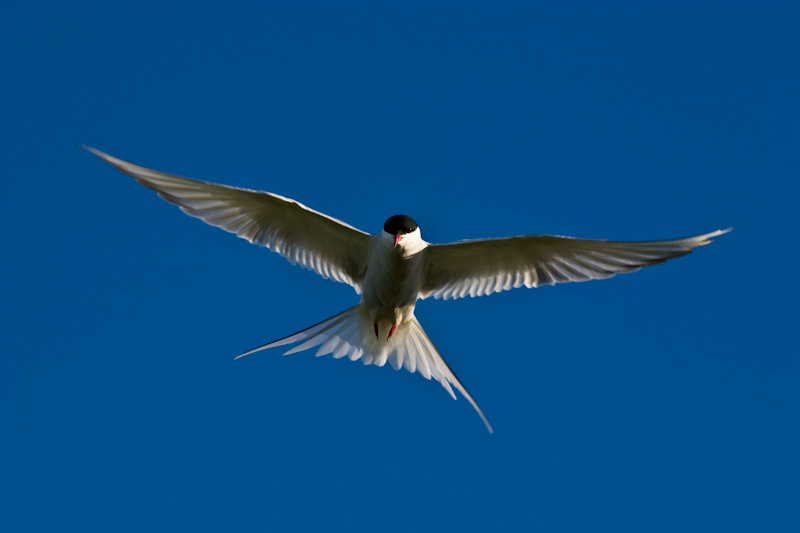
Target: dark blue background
[(666, 400)]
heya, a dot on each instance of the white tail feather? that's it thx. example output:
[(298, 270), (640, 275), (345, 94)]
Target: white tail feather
[(349, 334)]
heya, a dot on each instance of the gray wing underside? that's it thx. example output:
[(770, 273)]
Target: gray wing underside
[(480, 267), (305, 237)]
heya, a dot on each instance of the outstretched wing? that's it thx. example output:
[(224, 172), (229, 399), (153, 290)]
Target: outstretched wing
[(476, 268), (306, 237)]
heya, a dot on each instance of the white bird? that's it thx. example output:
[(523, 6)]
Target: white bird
[(394, 268)]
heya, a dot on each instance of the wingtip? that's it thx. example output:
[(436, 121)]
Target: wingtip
[(486, 422), (703, 240), (95, 152), (254, 350), (720, 232), (716, 233)]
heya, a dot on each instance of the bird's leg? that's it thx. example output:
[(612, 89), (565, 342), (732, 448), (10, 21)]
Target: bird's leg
[(377, 328)]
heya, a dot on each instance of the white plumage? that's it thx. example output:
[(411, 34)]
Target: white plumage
[(394, 268)]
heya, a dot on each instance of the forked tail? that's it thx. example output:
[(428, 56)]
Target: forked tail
[(346, 334)]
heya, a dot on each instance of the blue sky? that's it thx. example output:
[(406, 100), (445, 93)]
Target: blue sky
[(664, 400)]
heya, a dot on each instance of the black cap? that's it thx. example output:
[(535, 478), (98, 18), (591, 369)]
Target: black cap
[(399, 225)]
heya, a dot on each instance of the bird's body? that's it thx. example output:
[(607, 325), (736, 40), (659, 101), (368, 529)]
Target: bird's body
[(391, 285), (394, 268), (390, 288)]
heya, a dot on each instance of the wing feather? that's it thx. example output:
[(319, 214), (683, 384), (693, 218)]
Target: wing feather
[(481, 267), (315, 241)]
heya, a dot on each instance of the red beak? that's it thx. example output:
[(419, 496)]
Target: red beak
[(397, 238)]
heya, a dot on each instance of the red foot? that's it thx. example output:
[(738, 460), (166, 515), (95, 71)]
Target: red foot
[(391, 331), (375, 325)]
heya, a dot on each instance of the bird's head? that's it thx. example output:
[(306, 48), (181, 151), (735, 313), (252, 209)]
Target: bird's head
[(404, 234)]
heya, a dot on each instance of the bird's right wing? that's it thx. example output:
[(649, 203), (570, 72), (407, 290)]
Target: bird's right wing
[(306, 237), (476, 268)]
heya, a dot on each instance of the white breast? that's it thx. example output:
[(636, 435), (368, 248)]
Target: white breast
[(390, 288)]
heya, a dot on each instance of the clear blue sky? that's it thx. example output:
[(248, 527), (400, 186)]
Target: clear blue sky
[(665, 400)]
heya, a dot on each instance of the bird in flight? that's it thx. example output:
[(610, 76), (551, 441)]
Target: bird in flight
[(394, 267)]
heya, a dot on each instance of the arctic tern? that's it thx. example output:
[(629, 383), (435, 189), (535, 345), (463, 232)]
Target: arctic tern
[(393, 268)]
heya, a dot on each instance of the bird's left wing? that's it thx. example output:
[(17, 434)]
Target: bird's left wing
[(306, 237), (476, 268)]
